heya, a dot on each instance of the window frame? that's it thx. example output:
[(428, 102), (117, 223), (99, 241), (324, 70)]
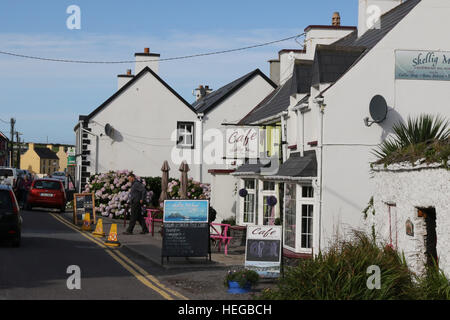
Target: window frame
[(253, 192), (185, 123)]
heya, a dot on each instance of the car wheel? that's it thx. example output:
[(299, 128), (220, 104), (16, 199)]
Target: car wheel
[(63, 209)]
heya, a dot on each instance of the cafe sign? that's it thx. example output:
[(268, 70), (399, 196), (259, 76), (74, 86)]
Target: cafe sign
[(422, 65), (242, 142)]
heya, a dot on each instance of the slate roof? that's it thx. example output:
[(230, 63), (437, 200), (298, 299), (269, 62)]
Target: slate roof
[(372, 37), (46, 153), (331, 62), (297, 166), (210, 101), (256, 168), (279, 100)]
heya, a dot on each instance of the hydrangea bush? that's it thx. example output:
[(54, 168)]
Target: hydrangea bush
[(112, 190)]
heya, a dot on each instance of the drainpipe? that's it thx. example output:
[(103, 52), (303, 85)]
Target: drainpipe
[(80, 152), (200, 118), (320, 103), (283, 135)]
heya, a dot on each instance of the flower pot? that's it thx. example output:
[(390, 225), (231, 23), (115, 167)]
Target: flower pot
[(234, 288)]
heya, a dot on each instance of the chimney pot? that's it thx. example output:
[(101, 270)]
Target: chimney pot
[(146, 50), (129, 72), (336, 20)]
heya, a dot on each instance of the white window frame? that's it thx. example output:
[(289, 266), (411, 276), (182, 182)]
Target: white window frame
[(182, 131), (254, 192), (300, 202), (267, 193), (284, 216)]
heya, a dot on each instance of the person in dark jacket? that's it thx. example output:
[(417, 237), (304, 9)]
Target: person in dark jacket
[(137, 197)]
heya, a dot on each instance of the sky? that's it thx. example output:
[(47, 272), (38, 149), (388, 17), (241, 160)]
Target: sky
[(46, 98)]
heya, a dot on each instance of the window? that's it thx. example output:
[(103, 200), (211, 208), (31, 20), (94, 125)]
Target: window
[(307, 192), (307, 225), (185, 135), (290, 215), (268, 186), (48, 185), (249, 204)]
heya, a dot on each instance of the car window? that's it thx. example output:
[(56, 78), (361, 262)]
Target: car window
[(5, 200), (6, 173), (45, 184)]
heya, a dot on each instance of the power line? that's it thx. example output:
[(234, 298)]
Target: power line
[(132, 61)]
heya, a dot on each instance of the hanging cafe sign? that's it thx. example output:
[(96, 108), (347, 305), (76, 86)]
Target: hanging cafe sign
[(242, 142), (422, 65)]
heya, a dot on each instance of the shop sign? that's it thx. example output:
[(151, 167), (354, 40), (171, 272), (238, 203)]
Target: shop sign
[(242, 142), (263, 250), (422, 65)]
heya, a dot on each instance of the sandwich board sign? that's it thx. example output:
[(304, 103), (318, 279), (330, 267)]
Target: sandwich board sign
[(263, 250), (185, 229), (83, 203)]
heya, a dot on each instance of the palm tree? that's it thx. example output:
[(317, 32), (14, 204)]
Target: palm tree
[(423, 130)]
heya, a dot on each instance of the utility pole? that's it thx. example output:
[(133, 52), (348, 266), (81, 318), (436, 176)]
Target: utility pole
[(13, 123), (18, 149)]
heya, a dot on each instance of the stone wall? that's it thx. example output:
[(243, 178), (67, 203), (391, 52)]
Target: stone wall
[(400, 190)]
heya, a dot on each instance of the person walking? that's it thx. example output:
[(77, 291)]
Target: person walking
[(26, 188), (137, 197)]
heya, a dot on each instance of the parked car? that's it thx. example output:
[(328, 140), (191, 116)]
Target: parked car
[(10, 218), (47, 193), (9, 176), (60, 175)]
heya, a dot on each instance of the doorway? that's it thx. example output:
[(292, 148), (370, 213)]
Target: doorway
[(430, 238)]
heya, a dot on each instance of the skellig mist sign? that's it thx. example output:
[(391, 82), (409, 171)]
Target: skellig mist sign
[(422, 65)]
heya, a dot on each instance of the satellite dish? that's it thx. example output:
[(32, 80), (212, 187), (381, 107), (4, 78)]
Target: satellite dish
[(109, 130), (378, 110)]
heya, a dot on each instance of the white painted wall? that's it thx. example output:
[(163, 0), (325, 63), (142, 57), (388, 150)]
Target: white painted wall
[(411, 188), (144, 118), (231, 110), (347, 141), (317, 35), (369, 11)]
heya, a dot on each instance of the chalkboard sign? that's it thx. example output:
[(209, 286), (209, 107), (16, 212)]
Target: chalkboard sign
[(83, 203), (185, 240), (263, 250)]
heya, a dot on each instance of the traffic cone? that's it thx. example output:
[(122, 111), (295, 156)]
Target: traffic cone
[(86, 222), (112, 240), (99, 229)]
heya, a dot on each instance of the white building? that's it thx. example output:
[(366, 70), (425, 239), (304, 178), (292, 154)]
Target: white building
[(324, 181), (147, 122)]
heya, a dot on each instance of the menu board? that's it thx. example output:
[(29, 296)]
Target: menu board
[(185, 229), (263, 250), (185, 240), (83, 203)]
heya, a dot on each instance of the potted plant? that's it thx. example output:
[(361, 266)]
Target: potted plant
[(240, 281)]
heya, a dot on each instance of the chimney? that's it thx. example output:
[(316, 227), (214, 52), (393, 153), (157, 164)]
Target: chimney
[(275, 71), (336, 20), (49, 146), (202, 91), (147, 59), (123, 79), (31, 146), (368, 11)]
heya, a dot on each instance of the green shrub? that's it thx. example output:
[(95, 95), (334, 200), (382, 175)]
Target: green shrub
[(433, 286), (341, 274)]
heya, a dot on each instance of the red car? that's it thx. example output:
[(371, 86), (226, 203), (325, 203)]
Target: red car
[(46, 193)]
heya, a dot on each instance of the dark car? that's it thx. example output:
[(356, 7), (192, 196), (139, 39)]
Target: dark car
[(10, 218), (46, 193)]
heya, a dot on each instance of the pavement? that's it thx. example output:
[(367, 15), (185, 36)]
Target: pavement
[(149, 247)]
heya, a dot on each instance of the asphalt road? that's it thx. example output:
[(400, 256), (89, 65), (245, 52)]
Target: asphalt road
[(38, 269)]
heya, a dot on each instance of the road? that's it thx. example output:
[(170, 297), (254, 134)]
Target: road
[(38, 269)]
